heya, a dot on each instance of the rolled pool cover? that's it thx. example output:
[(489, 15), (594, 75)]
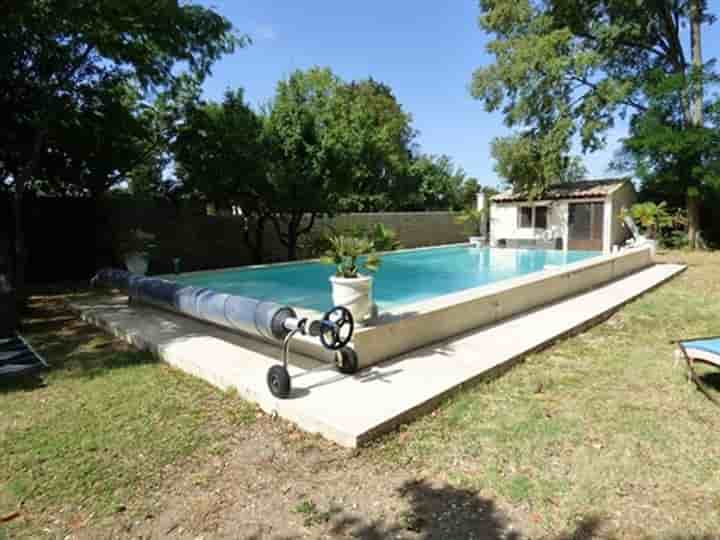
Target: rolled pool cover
[(255, 317)]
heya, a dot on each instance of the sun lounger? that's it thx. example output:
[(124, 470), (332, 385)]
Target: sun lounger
[(19, 359), (637, 237), (705, 350)]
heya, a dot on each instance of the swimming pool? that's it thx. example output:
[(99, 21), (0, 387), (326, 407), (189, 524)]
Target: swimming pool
[(405, 277)]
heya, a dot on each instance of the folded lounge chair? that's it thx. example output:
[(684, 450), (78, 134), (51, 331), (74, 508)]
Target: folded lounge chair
[(17, 357), (705, 350), (637, 237)]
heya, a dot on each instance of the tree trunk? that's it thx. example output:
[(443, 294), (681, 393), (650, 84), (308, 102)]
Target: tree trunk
[(21, 182), (696, 119), (292, 236), (258, 245), (693, 211), (696, 15), (18, 266)]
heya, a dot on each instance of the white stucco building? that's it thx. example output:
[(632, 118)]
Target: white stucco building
[(581, 215)]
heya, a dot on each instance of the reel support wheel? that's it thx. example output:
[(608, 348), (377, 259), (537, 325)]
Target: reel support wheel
[(335, 330)]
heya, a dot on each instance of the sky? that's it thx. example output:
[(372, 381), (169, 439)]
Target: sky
[(426, 51)]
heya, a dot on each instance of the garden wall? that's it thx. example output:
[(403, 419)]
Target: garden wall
[(414, 229), (69, 239)]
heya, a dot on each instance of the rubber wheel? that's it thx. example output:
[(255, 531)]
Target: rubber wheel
[(348, 363), (278, 381)]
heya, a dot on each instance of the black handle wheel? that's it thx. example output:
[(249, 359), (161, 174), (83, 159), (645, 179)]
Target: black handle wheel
[(278, 381), (337, 328)]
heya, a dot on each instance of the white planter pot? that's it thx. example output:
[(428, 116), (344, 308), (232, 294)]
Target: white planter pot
[(354, 294), (137, 263)]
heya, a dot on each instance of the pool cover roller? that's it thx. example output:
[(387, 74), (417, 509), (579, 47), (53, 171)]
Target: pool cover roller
[(256, 317), (268, 320)]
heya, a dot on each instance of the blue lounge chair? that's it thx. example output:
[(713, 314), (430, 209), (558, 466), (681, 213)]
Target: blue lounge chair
[(19, 359), (705, 350)]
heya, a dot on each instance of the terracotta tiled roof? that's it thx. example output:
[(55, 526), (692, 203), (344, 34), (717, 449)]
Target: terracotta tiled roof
[(574, 190)]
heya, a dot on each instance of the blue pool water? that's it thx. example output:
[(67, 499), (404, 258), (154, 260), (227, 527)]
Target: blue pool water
[(404, 277)]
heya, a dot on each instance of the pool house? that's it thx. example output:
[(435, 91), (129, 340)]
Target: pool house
[(582, 215)]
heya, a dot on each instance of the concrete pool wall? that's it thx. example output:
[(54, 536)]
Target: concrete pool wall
[(415, 325)]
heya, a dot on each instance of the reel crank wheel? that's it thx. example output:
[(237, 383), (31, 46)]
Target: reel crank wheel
[(336, 328)]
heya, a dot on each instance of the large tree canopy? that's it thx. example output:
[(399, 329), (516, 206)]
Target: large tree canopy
[(377, 138), (575, 67), (435, 183), (307, 167), (221, 155), (56, 55), (530, 163), (322, 146), (335, 146)]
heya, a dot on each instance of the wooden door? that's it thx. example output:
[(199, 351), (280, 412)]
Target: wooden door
[(585, 226)]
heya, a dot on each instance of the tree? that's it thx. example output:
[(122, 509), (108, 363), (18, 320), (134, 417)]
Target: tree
[(530, 164), (336, 146), (377, 139), (164, 117), (660, 148), (587, 63), (221, 155), (436, 184), (97, 144), (469, 192), (54, 53), (307, 169)]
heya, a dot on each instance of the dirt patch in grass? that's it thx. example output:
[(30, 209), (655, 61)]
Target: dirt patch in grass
[(599, 436)]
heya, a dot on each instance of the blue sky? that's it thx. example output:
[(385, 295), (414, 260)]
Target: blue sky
[(425, 50)]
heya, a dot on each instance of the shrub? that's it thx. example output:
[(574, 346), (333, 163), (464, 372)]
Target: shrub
[(345, 253), (383, 238)]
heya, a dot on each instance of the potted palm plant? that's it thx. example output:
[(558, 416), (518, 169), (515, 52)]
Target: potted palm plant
[(474, 221), (653, 218), (351, 288), (135, 247)]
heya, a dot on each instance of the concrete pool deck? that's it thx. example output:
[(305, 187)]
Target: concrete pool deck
[(351, 410)]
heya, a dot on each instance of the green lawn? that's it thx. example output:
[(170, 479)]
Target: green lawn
[(602, 424), (107, 425), (601, 428)]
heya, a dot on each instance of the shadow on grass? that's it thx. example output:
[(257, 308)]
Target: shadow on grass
[(26, 383), (452, 513), (711, 379), (440, 513), (71, 347), (445, 512)]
